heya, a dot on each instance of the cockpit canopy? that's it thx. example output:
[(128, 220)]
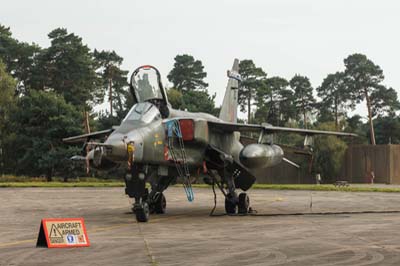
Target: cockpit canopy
[(146, 86)]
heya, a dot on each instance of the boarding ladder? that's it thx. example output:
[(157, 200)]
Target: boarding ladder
[(178, 155)]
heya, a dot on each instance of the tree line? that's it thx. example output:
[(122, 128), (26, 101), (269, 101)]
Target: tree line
[(278, 100), (46, 94)]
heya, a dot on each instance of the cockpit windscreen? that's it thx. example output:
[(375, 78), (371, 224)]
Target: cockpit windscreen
[(145, 112)]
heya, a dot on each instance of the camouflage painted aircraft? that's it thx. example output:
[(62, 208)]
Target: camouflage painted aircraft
[(158, 145)]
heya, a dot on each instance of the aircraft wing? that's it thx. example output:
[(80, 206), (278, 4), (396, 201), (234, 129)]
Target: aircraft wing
[(85, 137), (268, 129)]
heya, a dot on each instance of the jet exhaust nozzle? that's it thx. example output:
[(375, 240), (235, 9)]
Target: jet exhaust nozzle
[(261, 155)]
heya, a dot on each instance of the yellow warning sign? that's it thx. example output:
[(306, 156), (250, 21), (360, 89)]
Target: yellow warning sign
[(131, 147), (64, 232)]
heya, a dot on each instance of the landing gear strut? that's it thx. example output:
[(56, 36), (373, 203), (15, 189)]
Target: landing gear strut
[(231, 198), (145, 202), (136, 188)]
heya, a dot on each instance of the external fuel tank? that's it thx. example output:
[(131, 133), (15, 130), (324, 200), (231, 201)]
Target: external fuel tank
[(261, 155)]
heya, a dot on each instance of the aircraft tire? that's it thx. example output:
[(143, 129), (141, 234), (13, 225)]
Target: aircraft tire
[(142, 213), (244, 203), (230, 207), (160, 204)]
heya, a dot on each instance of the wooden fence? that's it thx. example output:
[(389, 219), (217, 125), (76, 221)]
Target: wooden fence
[(361, 162)]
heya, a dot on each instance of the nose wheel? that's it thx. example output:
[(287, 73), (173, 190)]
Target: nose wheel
[(143, 209), (142, 212), (160, 203)]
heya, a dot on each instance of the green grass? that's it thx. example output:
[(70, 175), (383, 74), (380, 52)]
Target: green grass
[(351, 188), (62, 184), (21, 182), (24, 179)]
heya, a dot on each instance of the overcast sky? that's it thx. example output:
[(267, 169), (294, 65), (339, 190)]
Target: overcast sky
[(284, 37)]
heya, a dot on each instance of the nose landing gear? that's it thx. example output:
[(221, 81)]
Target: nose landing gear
[(144, 206), (142, 211), (158, 203)]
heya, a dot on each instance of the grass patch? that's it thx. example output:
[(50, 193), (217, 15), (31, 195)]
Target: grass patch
[(13, 178), (22, 182), (63, 184), (5, 180), (351, 188)]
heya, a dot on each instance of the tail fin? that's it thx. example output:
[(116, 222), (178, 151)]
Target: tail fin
[(228, 111)]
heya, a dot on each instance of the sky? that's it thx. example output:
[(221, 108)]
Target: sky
[(284, 37)]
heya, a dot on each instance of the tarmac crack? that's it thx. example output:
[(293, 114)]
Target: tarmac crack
[(149, 253)]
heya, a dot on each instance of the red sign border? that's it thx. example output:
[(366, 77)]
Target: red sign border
[(46, 233)]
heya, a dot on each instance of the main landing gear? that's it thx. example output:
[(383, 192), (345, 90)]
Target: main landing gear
[(238, 205), (233, 204), (244, 203)]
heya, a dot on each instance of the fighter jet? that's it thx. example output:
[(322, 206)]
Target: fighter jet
[(159, 145)]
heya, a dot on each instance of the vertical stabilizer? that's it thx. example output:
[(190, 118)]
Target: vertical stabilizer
[(228, 111)]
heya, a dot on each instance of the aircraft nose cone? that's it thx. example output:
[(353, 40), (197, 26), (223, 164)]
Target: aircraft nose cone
[(116, 149)]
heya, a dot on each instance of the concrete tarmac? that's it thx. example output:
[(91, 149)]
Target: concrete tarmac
[(340, 228)]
